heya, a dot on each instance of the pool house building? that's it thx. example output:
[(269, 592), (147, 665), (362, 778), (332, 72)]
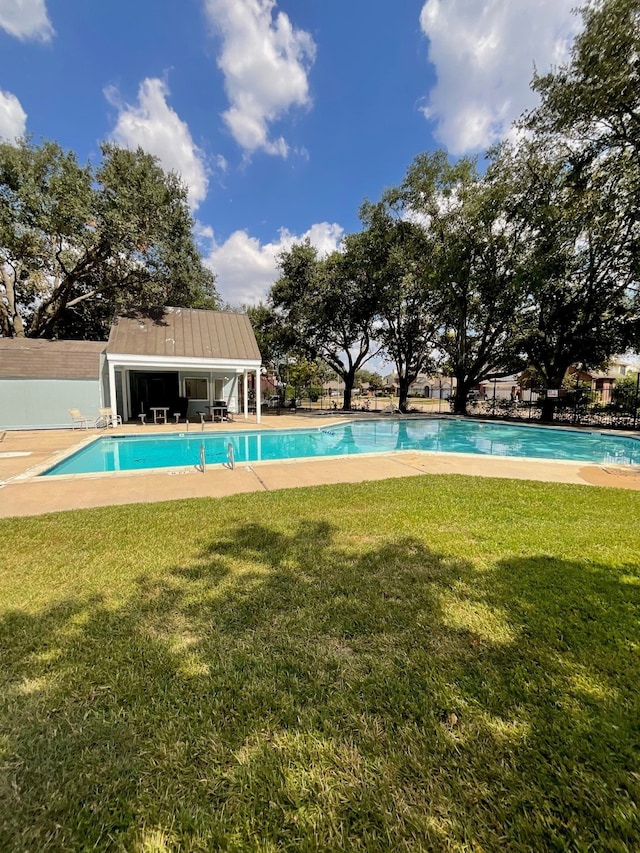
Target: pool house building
[(180, 361)]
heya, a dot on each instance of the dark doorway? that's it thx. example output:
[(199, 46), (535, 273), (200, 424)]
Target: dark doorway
[(153, 389)]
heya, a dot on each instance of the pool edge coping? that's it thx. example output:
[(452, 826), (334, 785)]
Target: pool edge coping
[(35, 473)]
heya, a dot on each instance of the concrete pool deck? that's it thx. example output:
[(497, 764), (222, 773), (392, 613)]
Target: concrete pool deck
[(24, 453)]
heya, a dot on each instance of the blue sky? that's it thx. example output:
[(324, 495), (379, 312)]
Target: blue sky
[(283, 116)]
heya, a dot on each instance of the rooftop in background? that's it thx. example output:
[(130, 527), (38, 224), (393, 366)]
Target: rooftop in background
[(34, 358)]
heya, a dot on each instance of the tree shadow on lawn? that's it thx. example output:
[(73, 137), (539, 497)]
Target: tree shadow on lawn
[(288, 692)]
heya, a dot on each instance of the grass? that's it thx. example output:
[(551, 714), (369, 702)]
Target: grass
[(439, 663)]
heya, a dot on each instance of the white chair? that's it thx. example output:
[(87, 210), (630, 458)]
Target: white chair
[(80, 420), (107, 418)]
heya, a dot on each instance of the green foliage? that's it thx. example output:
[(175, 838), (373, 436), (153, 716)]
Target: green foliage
[(78, 243), (366, 377), (275, 340), (302, 373), (327, 308), (534, 264), (590, 112), (575, 272), (594, 99), (394, 256), (426, 664), (477, 295), (626, 392)]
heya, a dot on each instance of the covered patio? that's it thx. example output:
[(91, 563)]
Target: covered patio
[(181, 363)]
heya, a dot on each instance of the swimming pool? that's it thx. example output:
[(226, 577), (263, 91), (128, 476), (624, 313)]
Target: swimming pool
[(180, 450)]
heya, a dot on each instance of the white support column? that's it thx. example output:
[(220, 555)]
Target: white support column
[(112, 385), (245, 393), (258, 400), (126, 402)]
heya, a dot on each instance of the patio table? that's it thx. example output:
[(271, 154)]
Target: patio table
[(218, 413), (159, 412)]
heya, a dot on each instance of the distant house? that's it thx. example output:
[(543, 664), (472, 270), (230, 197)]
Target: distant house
[(435, 386), (181, 358), (333, 388), (504, 388), (603, 381)]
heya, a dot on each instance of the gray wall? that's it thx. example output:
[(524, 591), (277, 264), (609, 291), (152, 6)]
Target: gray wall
[(36, 403)]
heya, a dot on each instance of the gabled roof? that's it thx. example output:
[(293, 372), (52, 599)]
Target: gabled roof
[(34, 358), (184, 333)]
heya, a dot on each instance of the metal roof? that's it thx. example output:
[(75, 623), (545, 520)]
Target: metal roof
[(34, 358), (184, 333)]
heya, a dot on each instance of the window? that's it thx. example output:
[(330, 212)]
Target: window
[(196, 388)]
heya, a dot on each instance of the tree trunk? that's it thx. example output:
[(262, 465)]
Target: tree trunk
[(556, 378), (403, 393), (349, 379), (460, 398), (346, 399), (459, 405), (548, 410), (52, 308), (13, 321)]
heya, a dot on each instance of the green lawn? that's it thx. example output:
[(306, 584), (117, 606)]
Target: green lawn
[(438, 663)]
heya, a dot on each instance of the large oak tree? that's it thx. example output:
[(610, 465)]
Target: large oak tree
[(79, 243), (328, 309), (590, 111), (474, 257), (576, 265), (393, 256)]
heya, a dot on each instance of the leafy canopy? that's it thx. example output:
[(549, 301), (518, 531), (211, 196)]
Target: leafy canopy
[(78, 243), (327, 309)]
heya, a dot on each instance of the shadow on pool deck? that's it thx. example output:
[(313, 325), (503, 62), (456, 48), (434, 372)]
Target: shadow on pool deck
[(23, 453)]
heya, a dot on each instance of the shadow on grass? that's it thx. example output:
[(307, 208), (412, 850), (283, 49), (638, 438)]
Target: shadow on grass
[(287, 692)]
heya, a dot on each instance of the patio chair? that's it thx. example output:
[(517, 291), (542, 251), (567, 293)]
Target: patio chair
[(107, 418), (80, 420)]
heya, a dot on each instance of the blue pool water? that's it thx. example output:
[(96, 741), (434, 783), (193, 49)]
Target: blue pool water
[(180, 450)]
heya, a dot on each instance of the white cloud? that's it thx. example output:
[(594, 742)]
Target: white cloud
[(26, 19), (265, 62), (484, 53), (246, 268), (155, 127), (13, 119)]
